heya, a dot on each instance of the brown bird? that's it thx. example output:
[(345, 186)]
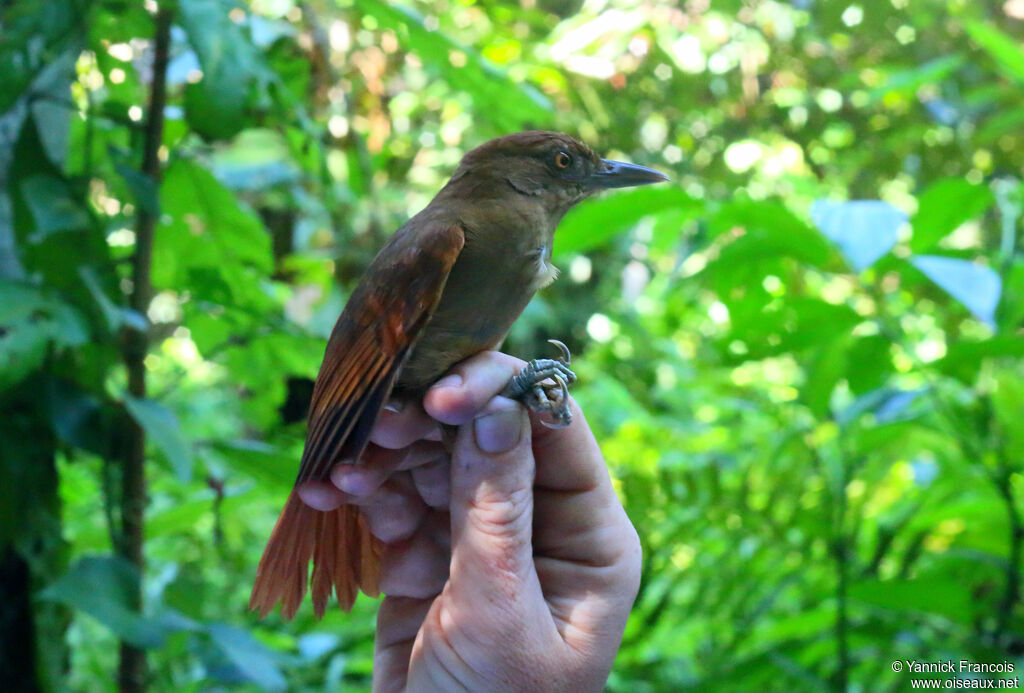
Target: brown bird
[(448, 285)]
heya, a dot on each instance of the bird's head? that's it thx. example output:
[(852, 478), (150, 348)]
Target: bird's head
[(550, 167)]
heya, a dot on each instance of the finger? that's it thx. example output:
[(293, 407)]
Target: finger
[(589, 528), (492, 513), (418, 566), (456, 398), (579, 517), (433, 482), (398, 621), (586, 550), (569, 458), (399, 425), (378, 463), (395, 511), (322, 495)]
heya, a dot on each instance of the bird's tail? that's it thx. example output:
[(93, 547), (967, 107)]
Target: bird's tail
[(346, 558)]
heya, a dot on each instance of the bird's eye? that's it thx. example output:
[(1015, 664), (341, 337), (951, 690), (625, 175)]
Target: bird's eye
[(563, 160)]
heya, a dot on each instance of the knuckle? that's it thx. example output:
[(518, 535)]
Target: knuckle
[(504, 514), (504, 523)]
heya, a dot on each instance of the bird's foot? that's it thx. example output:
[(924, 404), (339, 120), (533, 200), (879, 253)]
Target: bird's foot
[(543, 386)]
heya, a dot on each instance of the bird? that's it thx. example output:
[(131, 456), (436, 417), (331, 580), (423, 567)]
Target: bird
[(447, 285)]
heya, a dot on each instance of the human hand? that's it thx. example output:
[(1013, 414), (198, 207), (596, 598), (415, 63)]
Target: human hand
[(512, 568)]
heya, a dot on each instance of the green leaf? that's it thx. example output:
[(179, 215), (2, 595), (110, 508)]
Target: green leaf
[(24, 303), (999, 123), (963, 359), (32, 319), (116, 316), (977, 287), (910, 80), (142, 187), (770, 230), (593, 223), (1011, 313), (254, 660), (870, 363), (80, 418), (54, 230), (1008, 404), (1003, 49), (943, 596), (35, 33), (827, 369), (945, 205), (100, 587), (216, 105), (208, 244), (52, 206), (162, 428), (263, 462), (864, 230), (508, 104)]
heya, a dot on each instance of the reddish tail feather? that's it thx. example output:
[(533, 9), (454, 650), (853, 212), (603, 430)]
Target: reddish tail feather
[(346, 558)]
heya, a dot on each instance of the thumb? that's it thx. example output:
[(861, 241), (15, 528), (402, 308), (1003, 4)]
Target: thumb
[(492, 505)]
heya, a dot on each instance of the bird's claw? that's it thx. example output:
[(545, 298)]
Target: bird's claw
[(543, 386)]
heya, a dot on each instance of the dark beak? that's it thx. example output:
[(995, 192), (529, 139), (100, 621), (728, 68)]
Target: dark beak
[(618, 174)]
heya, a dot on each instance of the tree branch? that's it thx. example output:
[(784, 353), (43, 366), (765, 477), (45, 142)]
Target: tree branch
[(131, 673)]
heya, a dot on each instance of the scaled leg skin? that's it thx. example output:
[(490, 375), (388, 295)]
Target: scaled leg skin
[(543, 386)]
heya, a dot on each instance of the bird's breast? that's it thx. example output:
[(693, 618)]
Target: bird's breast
[(541, 268)]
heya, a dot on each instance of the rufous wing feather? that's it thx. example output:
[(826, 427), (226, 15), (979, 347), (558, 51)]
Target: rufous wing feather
[(371, 340)]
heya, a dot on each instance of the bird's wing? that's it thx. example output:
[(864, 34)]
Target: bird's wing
[(371, 340)]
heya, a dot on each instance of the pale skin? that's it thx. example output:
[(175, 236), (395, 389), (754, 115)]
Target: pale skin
[(512, 568)]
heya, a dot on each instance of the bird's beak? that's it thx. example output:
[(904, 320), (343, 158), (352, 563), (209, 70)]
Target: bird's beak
[(618, 174)]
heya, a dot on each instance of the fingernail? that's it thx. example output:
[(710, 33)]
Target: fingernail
[(394, 405), (500, 430), (450, 380)]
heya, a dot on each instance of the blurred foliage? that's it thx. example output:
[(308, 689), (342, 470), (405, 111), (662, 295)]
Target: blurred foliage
[(802, 359)]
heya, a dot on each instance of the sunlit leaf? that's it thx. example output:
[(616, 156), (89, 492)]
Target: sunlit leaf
[(964, 358), (864, 230), (870, 363), (940, 596), (912, 79), (977, 287), (1011, 312), (768, 229), (1008, 404), (823, 373), (593, 223), (507, 103), (888, 404), (1001, 123), (1004, 50), (945, 205), (208, 242)]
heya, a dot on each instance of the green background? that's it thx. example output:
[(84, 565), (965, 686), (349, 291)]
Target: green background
[(801, 357)]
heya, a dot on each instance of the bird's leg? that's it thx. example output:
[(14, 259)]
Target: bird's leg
[(543, 386)]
